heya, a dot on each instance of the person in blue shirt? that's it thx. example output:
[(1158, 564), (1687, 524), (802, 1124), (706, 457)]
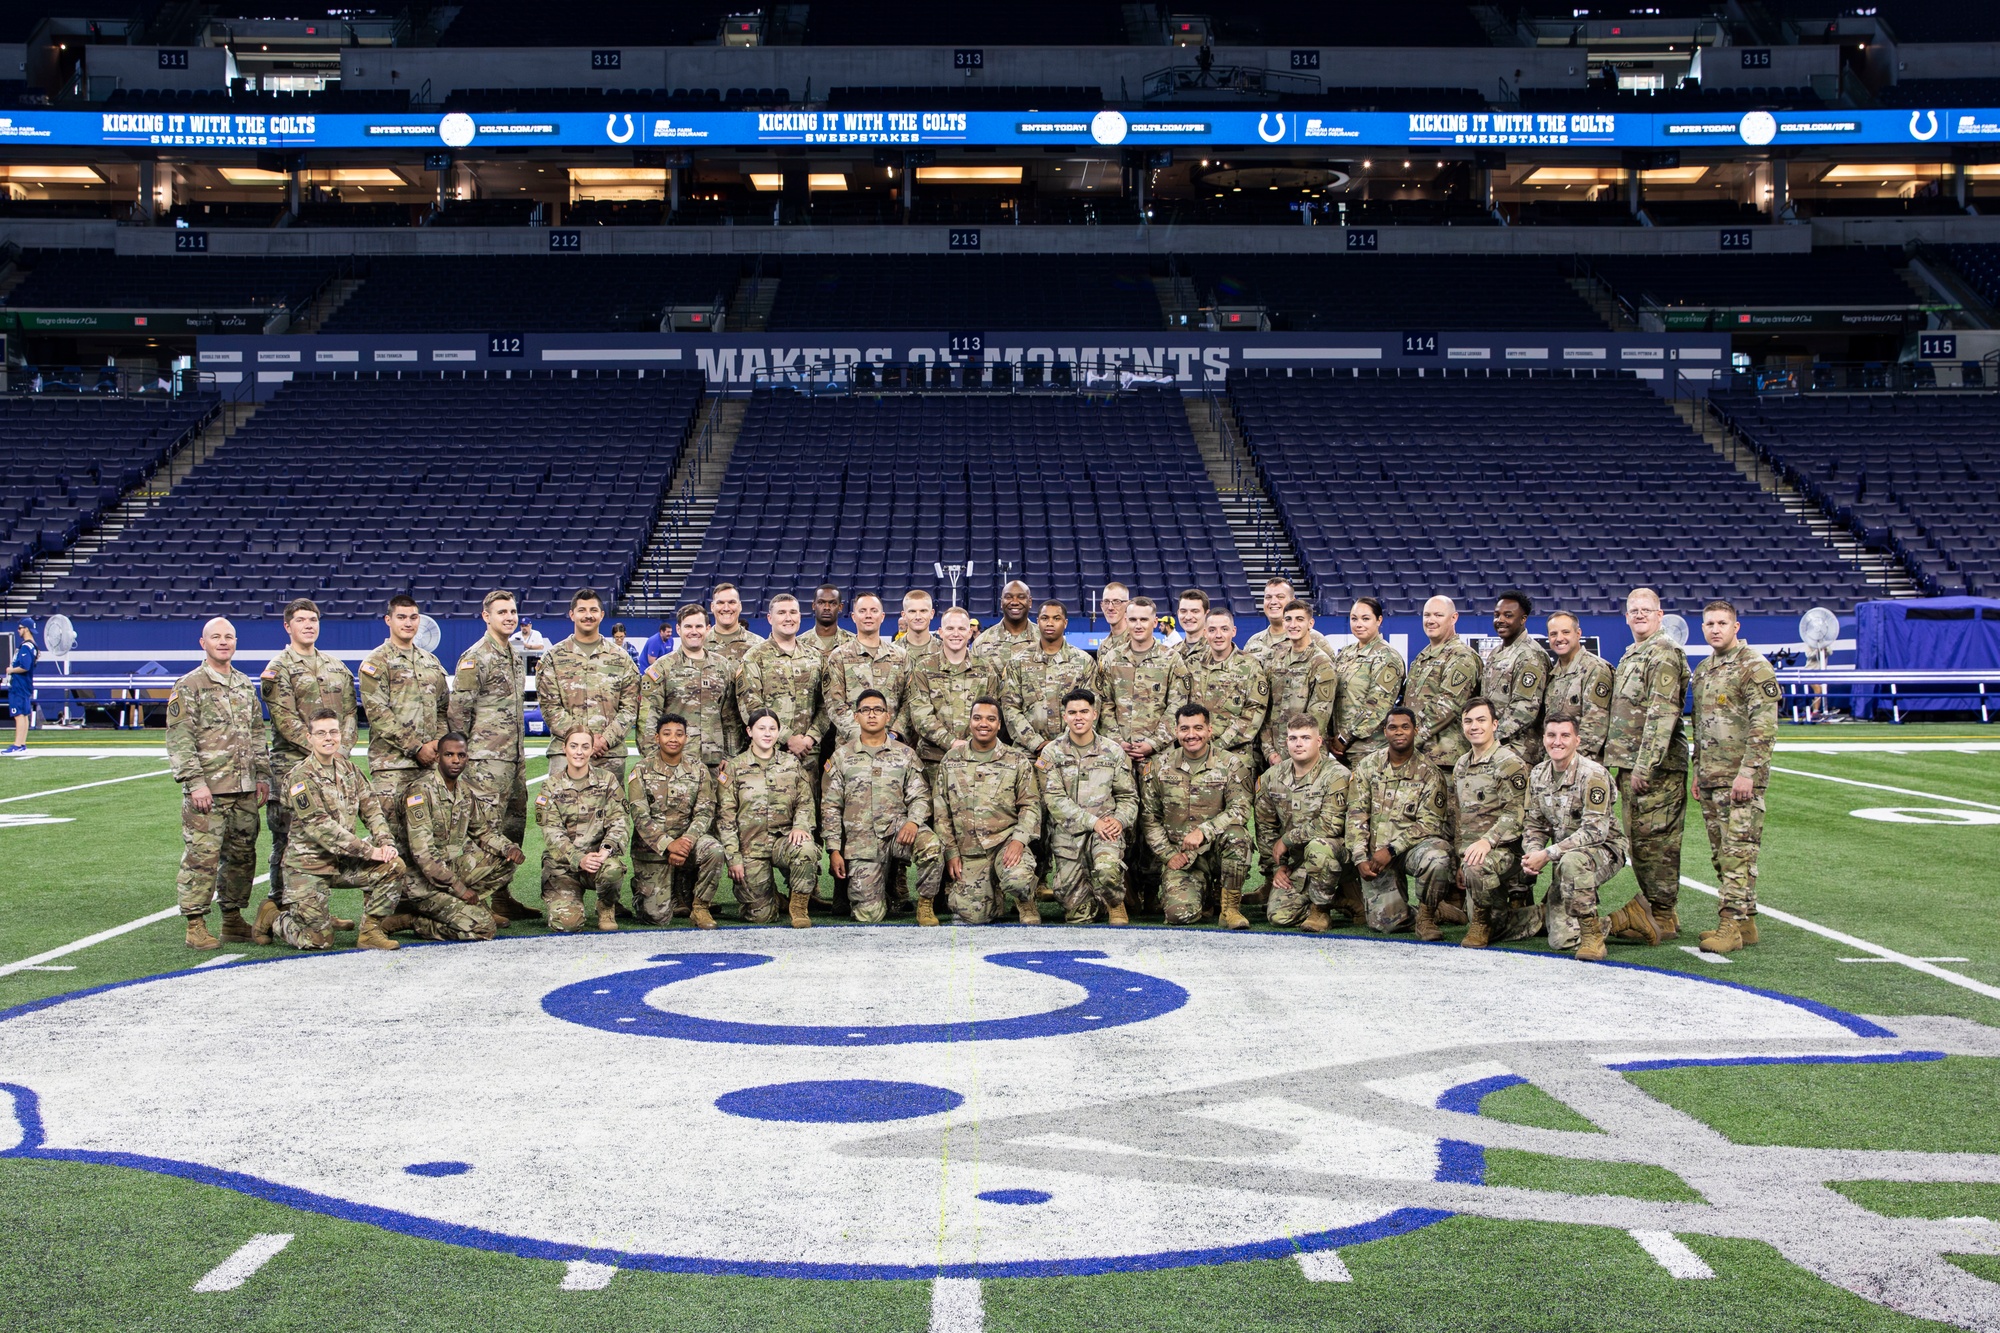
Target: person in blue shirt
[(658, 645), (21, 686)]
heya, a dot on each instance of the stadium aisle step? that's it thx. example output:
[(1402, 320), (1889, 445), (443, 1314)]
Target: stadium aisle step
[(661, 574), (1253, 521)]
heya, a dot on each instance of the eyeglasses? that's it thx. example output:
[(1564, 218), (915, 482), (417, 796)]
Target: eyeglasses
[(871, 708)]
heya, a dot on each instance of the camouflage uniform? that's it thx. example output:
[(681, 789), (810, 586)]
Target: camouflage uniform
[(703, 692), (1645, 734), (1736, 722), (733, 644), (296, 685), (404, 692), (1308, 813), (1236, 690), (326, 798), (854, 667), (870, 792), (1583, 687), (1212, 792), (215, 738), (1005, 647), (983, 801), (1403, 807), (1032, 692), (593, 687), (1569, 815), (486, 706), (938, 702), (455, 838), (1139, 694), (1513, 680), (1081, 785), (669, 802), (758, 803), (579, 816), (1271, 640), (786, 681), (1300, 683), (1443, 679), (1370, 677), (810, 637), (1488, 798)]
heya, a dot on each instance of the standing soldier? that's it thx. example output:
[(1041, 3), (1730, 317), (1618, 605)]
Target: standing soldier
[(454, 831), (913, 626), (942, 686), (1197, 823), (1141, 687), (486, 707), (1302, 681), (1579, 684), (404, 692), (1398, 824), (1735, 725), (764, 816), (215, 748), (1443, 679), (988, 808), (1369, 677), (1093, 803), (874, 816), (587, 683), (1489, 793), (1034, 689), (1234, 686), (1570, 827), (328, 797), (586, 832), (1302, 811), (1111, 604), (1278, 597), (297, 683), (698, 683), (673, 817), (1190, 614), (867, 661), (1645, 747), (1013, 635), (730, 638), (1515, 678), (827, 634), (781, 675)]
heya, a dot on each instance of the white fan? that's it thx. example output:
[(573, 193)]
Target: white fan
[(428, 634), (1676, 630), (58, 637), (1818, 628)]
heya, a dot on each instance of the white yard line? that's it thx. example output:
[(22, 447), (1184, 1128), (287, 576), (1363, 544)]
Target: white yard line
[(957, 1306), (1886, 747), (34, 964), (241, 1266), (1853, 942), (1672, 1254), (1323, 1266), (583, 1275), (1708, 957), (81, 786), (222, 958), (1877, 786), (1891, 960)]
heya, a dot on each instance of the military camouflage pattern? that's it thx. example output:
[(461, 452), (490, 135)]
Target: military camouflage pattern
[(441, 916), (1569, 815), (296, 685), (593, 686), (854, 667), (758, 804), (1583, 687), (1211, 792), (1735, 718), (455, 838), (1370, 677), (983, 801), (938, 698), (1735, 837), (786, 681), (1489, 796), (1442, 680), (486, 707), (1271, 639), (218, 853), (1307, 812), (669, 802), (404, 692), (579, 816), (1082, 784), (1236, 690), (1033, 689), (868, 794), (1406, 808), (811, 637), (1514, 679), (1645, 733), (701, 690), (1140, 692), (1300, 683), (215, 739), (1005, 647), (733, 644), (326, 799)]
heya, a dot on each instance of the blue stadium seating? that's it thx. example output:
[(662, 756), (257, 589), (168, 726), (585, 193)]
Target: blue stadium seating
[(1979, 265), (101, 280), (946, 292), (350, 490), (545, 293), (1340, 292), (1074, 491), (1574, 490)]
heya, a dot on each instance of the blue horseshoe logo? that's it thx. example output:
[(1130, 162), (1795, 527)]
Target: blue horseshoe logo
[(1269, 136), (610, 128), (1916, 133), (1115, 997)]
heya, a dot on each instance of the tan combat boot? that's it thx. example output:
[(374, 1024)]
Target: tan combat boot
[(398, 922), (266, 922), (504, 904), (1668, 920), (926, 912), (700, 917), (1634, 923), (1727, 937), (607, 916), (1590, 939), (801, 905), (1116, 915), (372, 937), (1450, 912), (1478, 934), (235, 930), (1232, 910), (1746, 926), (1427, 924), (1031, 915), (342, 923), (1316, 920), (198, 936)]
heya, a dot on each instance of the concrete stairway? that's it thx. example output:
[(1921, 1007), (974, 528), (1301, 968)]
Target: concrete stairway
[(331, 299), (750, 308), (657, 584), (1599, 298), (1260, 538)]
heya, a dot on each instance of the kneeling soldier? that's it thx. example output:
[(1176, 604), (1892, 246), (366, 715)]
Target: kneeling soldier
[(1569, 826), (455, 838), (585, 830), (764, 816), (1489, 792), (1397, 816), (875, 805), (1093, 803), (989, 809), (1302, 808), (1197, 817), (326, 795), (673, 810)]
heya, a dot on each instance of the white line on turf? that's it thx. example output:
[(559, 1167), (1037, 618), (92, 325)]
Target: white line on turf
[(1886, 747), (239, 1267), (957, 1306), (1891, 960), (105, 782), (51, 967), (1708, 957), (1854, 942), (1323, 1266), (583, 1275), (1672, 1254), (1877, 786), (27, 964), (222, 958)]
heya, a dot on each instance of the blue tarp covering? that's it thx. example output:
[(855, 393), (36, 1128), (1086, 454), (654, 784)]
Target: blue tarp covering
[(1925, 634)]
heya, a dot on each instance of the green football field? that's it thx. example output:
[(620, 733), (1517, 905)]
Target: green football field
[(1894, 916)]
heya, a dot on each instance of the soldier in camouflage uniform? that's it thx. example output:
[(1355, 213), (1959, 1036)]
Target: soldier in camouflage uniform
[(1190, 614), (1489, 793), (730, 637), (1515, 677), (1197, 823), (764, 817), (1302, 812), (700, 685), (782, 675), (1569, 829), (1735, 725), (1234, 686), (875, 814), (586, 834), (1302, 681), (1032, 694), (1579, 684), (1093, 804), (942, 684), (297, 683), (1013, 636), (865, 662), (1645, 747), (215, 749), (327, 795), (1141, 687), (455, 838), (913, 623), (1369, 678), (826, 634), (1278, 597), (405, 693), (486, 707), (673, 817), (988, 811), (1443, 679), (1399, 823), (587, 682)]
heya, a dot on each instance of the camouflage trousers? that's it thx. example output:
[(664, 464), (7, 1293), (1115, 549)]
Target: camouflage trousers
[(870, 883), (1314, 870), (985, 889), (658, 883), (278, 818), (1653, 824), (1574, 879), (504, 778), (1503, 893), (1144, 872), (757, 896), (1223, 861), (1084, 872), (218, 853), (1385, 898), (1735, 835), (443, 916), (306, 921), (390, 786), (563, 888), (481, 871)]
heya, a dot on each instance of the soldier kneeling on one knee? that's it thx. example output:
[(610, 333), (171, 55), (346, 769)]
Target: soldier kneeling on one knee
[(585, 831), (463, 858), (327, 796)]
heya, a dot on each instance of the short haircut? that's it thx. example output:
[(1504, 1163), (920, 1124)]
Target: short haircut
[(1401, 711), (1119, 586), (1277, 581), (1372, 603), (1518, 598), (1192, 709), (1570, 616), (690, 609), (951, 611), (984, 699), (617, 627), (722, 588), (497, 595), (1220, 610), (1301, 722), (871, 693), (324, 715), (1560, 715), (861, 597), (1193, 595), (1057, 605), (666, 627), (673, 718), (451, 736), (1720, 605), (1479, 701), (298, 604), (756, 716), (1080, 695), (584, 595), (1296, 605), (402, 599), (1146, 602), (782, 597), (827, 587), (920, 592)]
